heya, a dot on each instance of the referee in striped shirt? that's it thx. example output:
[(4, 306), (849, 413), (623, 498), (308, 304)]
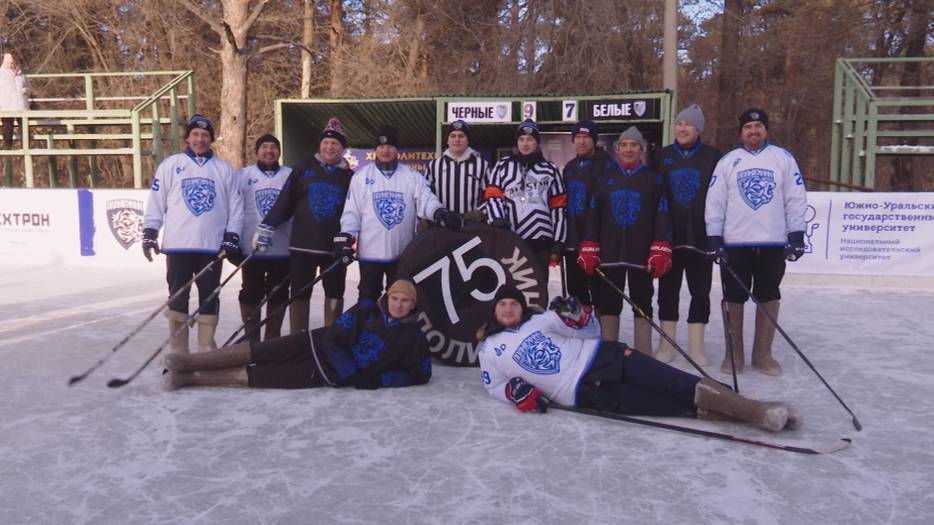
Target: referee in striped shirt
[(459, 177)]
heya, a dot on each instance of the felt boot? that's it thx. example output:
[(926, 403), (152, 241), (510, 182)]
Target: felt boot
[(735, 322), (333, 308), (642, 335), (666, 352), (207, 327), (762, 343), (178, 331), (250, 315), (173, 380), (713, 396), (609, 327), (238, 354), (696, 343), (298, 316)]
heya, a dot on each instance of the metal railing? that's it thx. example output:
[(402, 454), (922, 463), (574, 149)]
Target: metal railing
[(128, 128), (870, 120)]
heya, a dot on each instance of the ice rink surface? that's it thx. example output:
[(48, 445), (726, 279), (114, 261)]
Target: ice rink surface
[(445, 452)]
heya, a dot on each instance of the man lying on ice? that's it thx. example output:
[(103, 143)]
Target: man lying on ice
[(372, 345), (533, 359)]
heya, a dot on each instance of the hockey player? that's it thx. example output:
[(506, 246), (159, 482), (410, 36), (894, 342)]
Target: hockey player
[(755, 221), (628, 236), (580, 174), (260, 185), (383, 202), (313, 199), (686, 167), (459, 176), (372, 345), (526, 193), (196, 197), (532, 359)]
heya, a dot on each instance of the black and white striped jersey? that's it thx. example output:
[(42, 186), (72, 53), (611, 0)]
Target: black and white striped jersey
[(459, 183), (533, 199)]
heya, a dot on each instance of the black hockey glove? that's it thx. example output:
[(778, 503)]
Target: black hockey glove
[(448, 219), (794, 249), (343, 247), (571, 311), (716, 251), (231, 248), (150, 243), (526, 397)]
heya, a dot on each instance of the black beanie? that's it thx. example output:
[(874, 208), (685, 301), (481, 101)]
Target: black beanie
[(267, 138), (586, 127), (527, 127), (199, 121), (458, 125), (387, 135), (335, 131), (752, 115), (507, 291)]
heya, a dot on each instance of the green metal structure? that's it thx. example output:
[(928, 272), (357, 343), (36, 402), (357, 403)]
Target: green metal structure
[(135, 123), (870, 120), (421, 119)]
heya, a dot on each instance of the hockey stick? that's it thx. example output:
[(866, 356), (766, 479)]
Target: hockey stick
[(774, 321), (837, 446), (117, 383), (261, 304), (282, 308), (564, 276), (641, 313), (78, 378)]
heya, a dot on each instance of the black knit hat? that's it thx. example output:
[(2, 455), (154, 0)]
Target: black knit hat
[(458, 125), (199, 121), (527, 127), (508, 291), (586, 127), (335, 131), (267, 138), (752, 115), (387, 135)]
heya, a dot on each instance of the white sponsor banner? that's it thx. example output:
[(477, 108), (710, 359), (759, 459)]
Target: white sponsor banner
[(485, 111), (38, 226), (868, 233)]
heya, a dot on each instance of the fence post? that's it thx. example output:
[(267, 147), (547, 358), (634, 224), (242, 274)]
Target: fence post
[(137, 151), (53, 162), (27, 155), (156, 133)]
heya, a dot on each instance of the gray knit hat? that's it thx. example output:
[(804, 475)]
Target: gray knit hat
[(694, 115), (632, 133)]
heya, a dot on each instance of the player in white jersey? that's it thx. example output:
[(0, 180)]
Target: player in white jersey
[(383, 202), (755, 221), (196, 198), (531, 360), (261, 184)]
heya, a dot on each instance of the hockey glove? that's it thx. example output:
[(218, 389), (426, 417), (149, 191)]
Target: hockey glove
[(262, 238), (448, 219), (588, 256), (716, 251), (794, 249), (557, 250), (343, 247), (526, 397), (571, 311), (501, 223), (231, 247), (659, 261), (475, 216), (150, 243)]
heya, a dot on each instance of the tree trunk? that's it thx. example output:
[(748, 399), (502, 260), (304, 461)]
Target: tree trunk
[(336, 37), (727, 78), (308, 40), (231, 139), (903, 178)]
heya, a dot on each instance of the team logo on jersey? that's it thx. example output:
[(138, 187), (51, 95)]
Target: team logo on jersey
[(626, 204), (199, 195), (125, 219), (390, 207), (684, 185), (265, 200), (577, 197), (323, 200), (757, 186), (367, 349), (538, 354)]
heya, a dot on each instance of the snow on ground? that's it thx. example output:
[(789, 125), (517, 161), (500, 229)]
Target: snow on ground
[(444, 452)]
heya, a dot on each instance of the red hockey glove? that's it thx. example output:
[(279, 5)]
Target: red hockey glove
[(526, 397), (659, 261), (588, 256), (571, 311)]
